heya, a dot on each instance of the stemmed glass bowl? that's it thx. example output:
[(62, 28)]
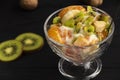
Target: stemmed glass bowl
[(80, 63)]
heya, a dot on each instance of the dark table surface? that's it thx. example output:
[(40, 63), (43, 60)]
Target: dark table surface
[(42, 65)]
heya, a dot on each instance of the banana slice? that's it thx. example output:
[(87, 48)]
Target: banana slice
[(70, 12), (69, 15)]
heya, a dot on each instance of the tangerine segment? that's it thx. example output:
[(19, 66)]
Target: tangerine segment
[(54, 33)]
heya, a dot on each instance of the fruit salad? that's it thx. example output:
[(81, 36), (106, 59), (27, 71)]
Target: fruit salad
[(80, 27)]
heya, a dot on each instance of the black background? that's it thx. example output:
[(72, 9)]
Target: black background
[(42, 65)]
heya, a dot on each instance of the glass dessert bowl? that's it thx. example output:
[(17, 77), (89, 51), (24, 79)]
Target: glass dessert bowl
[(79, 34)]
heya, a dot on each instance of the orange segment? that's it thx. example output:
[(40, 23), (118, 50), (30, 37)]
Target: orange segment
[(54, 33)]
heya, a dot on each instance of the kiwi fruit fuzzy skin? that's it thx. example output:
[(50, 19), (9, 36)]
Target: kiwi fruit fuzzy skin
[(29, 4)]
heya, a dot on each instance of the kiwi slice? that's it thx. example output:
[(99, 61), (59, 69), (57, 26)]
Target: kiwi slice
[(30, 41), (10, 50)]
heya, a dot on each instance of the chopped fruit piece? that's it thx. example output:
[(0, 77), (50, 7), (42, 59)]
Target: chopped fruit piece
[(69, 15), (78, 27), (100, 25), (81, 42), (56, 20), (104, 18), (66, 34), (54, 33), (70, 23), (89, 9), (102, 35), (69, 12), (89, 20), (92, 39), (80, 16), (69, 8), (89, 29)]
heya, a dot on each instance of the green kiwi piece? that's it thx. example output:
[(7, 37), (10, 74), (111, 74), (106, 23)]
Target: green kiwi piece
[(89, 29), (89, 9), (56, 20), (89, 20), (106, 19), (77, 27), (70, 23), (80, 16), (30, 41), (10, 50)]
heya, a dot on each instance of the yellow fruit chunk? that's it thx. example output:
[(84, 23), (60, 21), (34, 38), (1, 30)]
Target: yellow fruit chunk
[(54, 33), (81, 42), (100, 25), (102, 35)]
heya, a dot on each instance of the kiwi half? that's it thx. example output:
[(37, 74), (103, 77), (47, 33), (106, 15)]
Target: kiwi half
[(30, 41), (10, 50)]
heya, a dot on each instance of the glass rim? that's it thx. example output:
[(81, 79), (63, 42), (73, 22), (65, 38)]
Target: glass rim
[(63, 45)]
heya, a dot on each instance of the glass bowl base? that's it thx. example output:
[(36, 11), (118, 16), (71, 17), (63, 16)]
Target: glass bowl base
[(80, 72)]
